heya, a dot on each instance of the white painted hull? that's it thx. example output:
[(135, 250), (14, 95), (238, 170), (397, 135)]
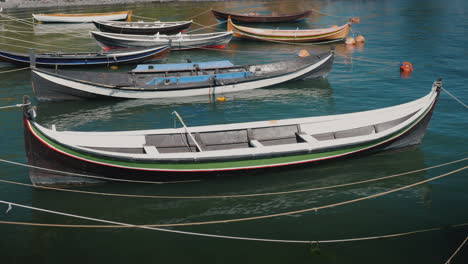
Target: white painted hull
[(77, 19), (80, 89)]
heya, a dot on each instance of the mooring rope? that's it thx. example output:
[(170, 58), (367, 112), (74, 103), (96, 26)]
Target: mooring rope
[(20, 69), (152, 18), (120, 225), (37, 43), (236, 196), (327, 14), (91, 176), (458, 100), (456, 251), (209, 26), (19, 46), (11, 106), (192, 17), (234, 237)]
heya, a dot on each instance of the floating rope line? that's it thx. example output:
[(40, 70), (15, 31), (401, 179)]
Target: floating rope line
[(37, 43), (276, 52), (327, 14), (152, 18), (11, 106), (192, 17), (209, 26), (19, 46), (235, 196), (370, 72), (20, 69), (91, 176), (119, 225), (458, 100), (125, 225), (456, 251), (14, 32)]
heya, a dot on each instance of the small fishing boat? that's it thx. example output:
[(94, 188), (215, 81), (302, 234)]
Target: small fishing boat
[(113, 57), (253, 17), (142, 28), (194, 152), (177, 42), (82, 18), (160, 81), (331, 34)]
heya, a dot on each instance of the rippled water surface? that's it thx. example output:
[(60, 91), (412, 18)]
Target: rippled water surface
[(429, 34)]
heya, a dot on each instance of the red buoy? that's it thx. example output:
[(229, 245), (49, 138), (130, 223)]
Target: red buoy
[(406, 67)]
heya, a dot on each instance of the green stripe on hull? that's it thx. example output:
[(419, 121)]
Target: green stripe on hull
[(224, 164)]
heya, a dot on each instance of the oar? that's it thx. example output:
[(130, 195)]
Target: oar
[(187, 130)]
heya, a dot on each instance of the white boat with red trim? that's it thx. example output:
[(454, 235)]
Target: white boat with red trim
[(194, 152)]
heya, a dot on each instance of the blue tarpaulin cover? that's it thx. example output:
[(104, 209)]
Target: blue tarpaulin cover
[(183, 66), (200, 78)]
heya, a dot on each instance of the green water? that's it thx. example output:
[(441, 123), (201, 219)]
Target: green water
[(429, 34)]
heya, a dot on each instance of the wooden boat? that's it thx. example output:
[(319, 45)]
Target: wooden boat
[(194, 152), (82, 18), (177, 42), (253, 17), (142, 28), (86, 58), (290, 35), (160, 81)]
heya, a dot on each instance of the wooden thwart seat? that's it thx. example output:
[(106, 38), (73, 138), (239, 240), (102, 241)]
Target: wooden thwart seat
[(307, 138), (151, 150)]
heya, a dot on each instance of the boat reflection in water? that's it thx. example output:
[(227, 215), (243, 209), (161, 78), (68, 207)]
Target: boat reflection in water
[(157, 113), (79, 28)]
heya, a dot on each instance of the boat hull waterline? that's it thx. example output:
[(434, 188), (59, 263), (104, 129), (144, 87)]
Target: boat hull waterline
[(48, 85), (404, 126), (256, 18), (177, 42), (142, 28), (82, 18), (332, 34), (86, 58)]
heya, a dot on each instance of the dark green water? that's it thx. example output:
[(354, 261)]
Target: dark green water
[(429, 34)]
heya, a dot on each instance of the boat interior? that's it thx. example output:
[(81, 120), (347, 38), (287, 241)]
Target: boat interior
[(305, 133)]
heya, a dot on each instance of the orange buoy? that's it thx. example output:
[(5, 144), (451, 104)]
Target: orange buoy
[(114, 67), (350, 41), (221, 99), (354, 20), (303, 53), (334, 26), (406, 67), (360, 38)]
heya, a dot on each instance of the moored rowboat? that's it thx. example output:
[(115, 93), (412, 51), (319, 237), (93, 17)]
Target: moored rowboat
[(290, 35), (82, 18), (175, 80), (177, 42), (258, 18), (86, 58), (142, 28), (191, 153)]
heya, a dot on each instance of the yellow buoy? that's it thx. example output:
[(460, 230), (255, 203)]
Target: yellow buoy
[(114, 67), (303, 53), (360, 38), (350, 41), (220, 99)]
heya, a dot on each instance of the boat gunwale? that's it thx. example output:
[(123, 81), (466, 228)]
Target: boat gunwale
[(399, 129)]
